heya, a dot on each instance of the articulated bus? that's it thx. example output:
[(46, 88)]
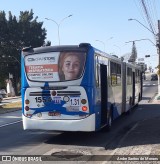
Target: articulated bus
[(76, 88)]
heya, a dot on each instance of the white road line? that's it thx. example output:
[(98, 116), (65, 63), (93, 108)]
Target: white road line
[(10, 123), (148, 84)]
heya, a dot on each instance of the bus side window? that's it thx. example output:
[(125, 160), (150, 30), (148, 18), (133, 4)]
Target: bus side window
[(119, 80), (113, 73), (137, 76), (129, 76)]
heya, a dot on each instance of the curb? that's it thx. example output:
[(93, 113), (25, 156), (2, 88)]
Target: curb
[(8, 111), (5, 110), (152, 99), (15, 97)]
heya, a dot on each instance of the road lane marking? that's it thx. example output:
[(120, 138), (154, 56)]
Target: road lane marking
[(149, 84), (3, 117), (1, 126)]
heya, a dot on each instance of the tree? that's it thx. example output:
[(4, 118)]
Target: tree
[(16, 33), (47, 43), (133, 56), (31, 31)]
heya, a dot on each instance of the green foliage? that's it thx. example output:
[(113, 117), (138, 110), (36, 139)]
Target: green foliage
[(133, 56), (48, 43), (134, 51), (16, 33)]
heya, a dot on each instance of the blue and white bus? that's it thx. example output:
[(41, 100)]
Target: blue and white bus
[(76, 88)]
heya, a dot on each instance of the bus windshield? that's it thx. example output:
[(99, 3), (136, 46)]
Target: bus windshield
[(55, 66)]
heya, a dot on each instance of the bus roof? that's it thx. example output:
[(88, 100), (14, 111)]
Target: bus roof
[(81, 46)]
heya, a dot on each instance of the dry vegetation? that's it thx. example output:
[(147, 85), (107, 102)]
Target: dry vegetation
[(13, 105), (10, 107)]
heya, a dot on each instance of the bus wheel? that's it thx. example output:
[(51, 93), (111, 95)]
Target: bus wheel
[(109, 122), (139, 97), (130, 101), (130, 105)]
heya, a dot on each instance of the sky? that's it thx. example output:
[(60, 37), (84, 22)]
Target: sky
[(102, 23)]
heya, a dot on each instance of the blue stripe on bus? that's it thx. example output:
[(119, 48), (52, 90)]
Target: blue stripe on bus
[(24, 81), (56, 108)]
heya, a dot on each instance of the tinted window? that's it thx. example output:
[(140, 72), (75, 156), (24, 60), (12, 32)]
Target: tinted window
[(55, 66)]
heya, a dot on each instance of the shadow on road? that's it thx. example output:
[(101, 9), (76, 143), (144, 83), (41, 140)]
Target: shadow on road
[(140, 127)]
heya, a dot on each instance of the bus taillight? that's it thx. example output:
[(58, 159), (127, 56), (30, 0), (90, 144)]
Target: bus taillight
[(83, 101), (27, 101), (84, 108), (54, 93), (26, 108)]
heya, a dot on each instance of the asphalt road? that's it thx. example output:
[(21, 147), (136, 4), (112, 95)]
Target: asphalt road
[(130, 134), (150, 88)]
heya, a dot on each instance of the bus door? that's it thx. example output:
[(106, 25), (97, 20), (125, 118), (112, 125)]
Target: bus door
[(124, 90), (104, 93), (133, 88), (141, 85)]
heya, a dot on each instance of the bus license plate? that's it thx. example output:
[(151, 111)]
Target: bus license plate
[(74, 101)]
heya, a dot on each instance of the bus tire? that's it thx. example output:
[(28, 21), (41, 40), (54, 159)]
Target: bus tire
[(107, 127), (139, 97), (109, 121), (130, 101), (130, 106)]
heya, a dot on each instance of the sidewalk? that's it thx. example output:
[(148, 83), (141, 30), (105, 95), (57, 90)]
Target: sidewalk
[(143, 138), (6, 107), (155, 99), (8, 98)]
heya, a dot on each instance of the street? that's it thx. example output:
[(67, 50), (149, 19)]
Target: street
[(136, 133)]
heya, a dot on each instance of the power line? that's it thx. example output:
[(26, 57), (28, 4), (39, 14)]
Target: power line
[(140, 9), (147, 11), (149, 20), (152, 10)]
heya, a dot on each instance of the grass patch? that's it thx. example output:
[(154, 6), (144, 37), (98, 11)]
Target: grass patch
[(13, 105), (10, 107)]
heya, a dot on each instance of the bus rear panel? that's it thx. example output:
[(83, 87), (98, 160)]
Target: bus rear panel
[(53, 100)]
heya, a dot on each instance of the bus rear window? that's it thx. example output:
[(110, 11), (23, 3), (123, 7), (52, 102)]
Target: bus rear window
[(55, 66)]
